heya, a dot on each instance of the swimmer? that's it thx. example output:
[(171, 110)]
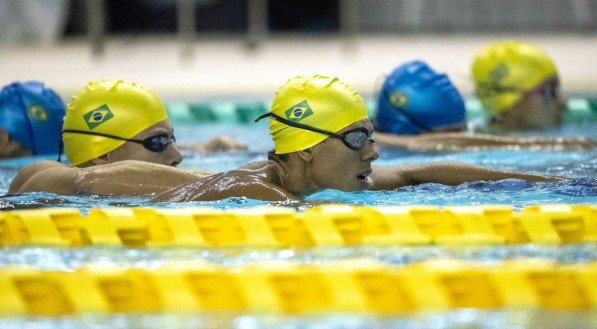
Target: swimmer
[(31, 120), (119, 141), (420, 109), (518, 85), (323, 139)]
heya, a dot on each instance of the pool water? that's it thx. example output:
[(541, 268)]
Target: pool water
[(459, 319), (580, 165)]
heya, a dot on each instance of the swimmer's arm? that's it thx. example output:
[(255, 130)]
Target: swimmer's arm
[(538, 142), (220, 143), (392, 140), (460, 141), (448, 173), (235, 183), (495, 141), (441, 141), (131, 178)]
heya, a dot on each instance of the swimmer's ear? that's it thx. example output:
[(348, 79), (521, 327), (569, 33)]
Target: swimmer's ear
[(99, 160), (306, 155)]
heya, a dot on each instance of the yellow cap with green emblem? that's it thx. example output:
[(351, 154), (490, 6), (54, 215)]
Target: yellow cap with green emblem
[(317, 101), (111, 107), (503, 70)]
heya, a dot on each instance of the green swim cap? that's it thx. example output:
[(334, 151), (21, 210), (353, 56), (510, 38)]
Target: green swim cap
[(112, 107), (509, 65), (315, 100)]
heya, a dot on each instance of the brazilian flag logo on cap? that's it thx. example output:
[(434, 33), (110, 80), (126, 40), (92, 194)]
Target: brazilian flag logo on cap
[(37, 113), (98, 116), (398, 99), (498, 73), (299, 111)]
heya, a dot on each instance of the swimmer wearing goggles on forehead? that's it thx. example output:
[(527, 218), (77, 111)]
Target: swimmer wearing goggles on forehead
[(323, 140)]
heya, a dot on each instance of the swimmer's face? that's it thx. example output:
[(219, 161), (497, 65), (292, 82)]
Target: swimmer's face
[(335, 166), (539, 109), (170, 156), (10, 148)]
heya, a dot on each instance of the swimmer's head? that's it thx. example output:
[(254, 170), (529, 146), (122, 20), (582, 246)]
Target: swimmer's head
[(111, 107), (503, 71), (31, 114), (317, 101), (415, 99)]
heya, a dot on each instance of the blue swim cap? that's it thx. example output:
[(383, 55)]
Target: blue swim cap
[(32, 115), (415, 99)]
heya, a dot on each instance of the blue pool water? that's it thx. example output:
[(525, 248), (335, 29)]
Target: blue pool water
[(459, 319), (580, 165)]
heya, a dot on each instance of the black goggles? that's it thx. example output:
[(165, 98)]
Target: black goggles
[(157, 143), (354, 139), (549, 90)]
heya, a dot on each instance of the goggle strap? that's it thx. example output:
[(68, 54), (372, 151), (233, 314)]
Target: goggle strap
[(138, 141), (60, 150), (298, 125), (99, 134)]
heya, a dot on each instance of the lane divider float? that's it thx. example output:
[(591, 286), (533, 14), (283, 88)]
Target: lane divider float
[(325, 225), (355, 286)]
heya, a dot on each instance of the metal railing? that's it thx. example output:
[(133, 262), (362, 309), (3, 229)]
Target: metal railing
[(388, 15)]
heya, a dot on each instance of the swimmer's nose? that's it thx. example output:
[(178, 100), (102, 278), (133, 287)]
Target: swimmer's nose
[(370, 152), (174, 157)]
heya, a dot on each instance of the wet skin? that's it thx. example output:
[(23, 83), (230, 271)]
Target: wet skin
[(536, 110), (170, 156), (327, 165)]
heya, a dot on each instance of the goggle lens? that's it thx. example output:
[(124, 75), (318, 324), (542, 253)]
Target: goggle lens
[(550, 91), (356, 139), (158, 143)]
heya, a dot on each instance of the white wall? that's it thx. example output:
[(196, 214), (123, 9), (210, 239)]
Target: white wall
[(23, 21)]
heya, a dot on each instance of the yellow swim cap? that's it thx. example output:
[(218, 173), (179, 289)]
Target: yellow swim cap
[(111, 107), (509, 65), (317, 101)]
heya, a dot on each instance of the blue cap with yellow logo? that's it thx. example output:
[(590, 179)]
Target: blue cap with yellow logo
[(415, 99), (32, 115)]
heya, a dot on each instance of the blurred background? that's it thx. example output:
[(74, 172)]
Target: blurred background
[(204, 48)]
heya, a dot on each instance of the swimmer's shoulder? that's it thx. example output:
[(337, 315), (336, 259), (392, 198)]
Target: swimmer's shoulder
[(40, 176), (261, 172), (257, 165)]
